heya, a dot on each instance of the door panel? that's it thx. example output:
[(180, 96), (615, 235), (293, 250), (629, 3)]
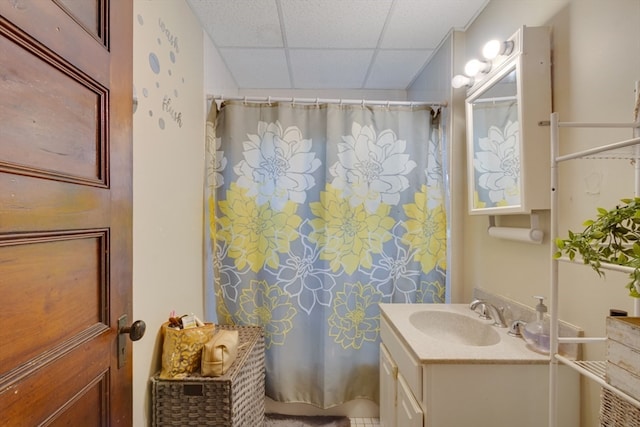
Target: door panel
[(52, 27), (53, 391), (88, 13), (65, 210), (72, 300), (60, 134)]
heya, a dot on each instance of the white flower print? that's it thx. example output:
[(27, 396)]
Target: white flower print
[(371, 168), (217, 161), (498, 163), (303, 275), (277, 165), (226, 277), (394, 274), (434, 174)]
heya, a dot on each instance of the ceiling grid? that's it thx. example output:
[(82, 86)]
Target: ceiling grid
[(330, 44)]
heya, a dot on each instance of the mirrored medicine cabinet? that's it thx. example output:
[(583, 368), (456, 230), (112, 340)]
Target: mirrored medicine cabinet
[(507, 150)]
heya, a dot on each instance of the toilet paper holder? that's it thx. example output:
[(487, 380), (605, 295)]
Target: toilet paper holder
[(533, 234)]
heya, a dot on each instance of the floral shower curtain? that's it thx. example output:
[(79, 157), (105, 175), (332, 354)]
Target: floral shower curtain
[(315, 214)]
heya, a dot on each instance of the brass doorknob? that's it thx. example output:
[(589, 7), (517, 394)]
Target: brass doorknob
[(135, 331)]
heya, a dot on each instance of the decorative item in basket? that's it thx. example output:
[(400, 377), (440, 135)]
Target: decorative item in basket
[(182, 348), (219, 353), (623, 348)]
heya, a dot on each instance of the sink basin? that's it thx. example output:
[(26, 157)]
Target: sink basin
[(454, 328)]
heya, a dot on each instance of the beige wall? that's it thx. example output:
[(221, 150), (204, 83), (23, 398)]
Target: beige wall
[(596, 61), (168, 158), (434, 84)]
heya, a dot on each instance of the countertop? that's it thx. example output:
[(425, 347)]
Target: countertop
[(430, 350)]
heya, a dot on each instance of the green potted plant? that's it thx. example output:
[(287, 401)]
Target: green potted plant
[(612, 238)]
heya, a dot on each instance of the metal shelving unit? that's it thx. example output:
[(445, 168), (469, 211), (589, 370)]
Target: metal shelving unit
[(594, 370)]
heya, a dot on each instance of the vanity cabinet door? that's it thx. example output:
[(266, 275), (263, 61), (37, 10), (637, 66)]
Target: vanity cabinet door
[(408, 412), (388, 378)]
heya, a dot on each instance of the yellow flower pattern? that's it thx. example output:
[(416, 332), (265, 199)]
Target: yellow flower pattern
[(430, 292), (269, 307), (224, 316), (355, 315), (255, 234), (348, 233), (426, 232), (477, 203)]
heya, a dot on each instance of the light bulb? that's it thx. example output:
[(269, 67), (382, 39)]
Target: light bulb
[(491, 49), (473, 67), (460, 81)]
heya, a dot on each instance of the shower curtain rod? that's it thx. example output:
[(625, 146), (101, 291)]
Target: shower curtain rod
[(294, 100)]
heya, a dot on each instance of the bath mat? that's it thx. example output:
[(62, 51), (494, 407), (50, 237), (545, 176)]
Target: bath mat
[(280, 420)]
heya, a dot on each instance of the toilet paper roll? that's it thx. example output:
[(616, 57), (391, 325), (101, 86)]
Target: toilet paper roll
[(528, 235)]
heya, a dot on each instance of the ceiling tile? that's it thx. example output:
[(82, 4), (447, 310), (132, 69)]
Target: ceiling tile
[(257, 68), (395, 69), (329, 69), (240, 23), (423, 24), (334, 23), (329, 43)]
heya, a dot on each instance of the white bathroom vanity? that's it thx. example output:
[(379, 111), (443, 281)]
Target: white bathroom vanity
[(440, 365)]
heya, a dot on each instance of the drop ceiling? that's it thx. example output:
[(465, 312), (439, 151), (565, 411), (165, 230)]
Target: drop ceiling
[(330, 44)]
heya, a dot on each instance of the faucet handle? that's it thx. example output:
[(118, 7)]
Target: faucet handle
[(514, 328), (484, 311)]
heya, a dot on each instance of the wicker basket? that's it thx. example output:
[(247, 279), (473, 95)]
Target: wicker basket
[(617, 412), (235, 399)]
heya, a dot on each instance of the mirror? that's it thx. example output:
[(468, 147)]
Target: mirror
[(494, 146), (508, 164)]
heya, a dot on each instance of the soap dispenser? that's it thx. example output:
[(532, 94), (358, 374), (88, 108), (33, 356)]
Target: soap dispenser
[(536, 334)]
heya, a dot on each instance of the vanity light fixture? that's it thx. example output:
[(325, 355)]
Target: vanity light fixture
[(475, 67), (460, 81), (491, 50), (494, 48), (471, 69)]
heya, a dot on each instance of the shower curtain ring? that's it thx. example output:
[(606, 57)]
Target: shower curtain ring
[(362, 104), (245, 101), (317, 102), (269, 101)]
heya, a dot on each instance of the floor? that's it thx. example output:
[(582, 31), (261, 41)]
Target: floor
[(365, 422)]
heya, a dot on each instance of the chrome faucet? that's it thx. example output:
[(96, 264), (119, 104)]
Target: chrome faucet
[(489, 311), (478, 303)]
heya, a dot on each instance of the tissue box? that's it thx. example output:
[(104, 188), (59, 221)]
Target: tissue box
[(623, 354), (235, 399)]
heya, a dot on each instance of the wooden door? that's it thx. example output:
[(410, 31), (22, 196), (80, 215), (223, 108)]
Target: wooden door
[(65, 211)]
